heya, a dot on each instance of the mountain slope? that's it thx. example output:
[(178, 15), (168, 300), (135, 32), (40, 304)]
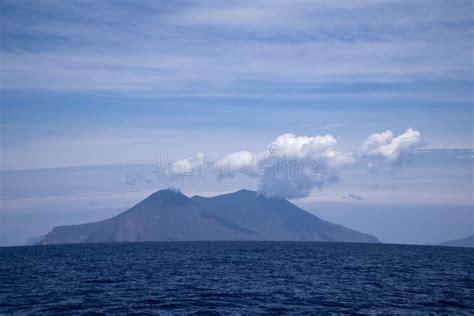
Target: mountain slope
[(172, 216), (34, 240), (465, 242), (164, 215), (277, 219)]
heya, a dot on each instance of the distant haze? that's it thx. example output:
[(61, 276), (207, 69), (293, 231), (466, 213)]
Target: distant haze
[(358, 111)]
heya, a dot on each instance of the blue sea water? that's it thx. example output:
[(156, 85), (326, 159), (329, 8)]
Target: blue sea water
[(236, 277)]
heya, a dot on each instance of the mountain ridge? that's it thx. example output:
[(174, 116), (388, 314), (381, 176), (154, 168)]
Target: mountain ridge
[(168, 215), (278, 218)]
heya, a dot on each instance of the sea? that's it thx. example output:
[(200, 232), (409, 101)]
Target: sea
[(236, 278)]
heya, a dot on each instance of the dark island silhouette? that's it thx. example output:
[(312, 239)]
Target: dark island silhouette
[(464, 242), (168, 215)]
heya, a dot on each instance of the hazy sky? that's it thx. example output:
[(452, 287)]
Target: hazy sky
[(117, 85)]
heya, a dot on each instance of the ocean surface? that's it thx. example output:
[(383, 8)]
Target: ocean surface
[(236, 277)]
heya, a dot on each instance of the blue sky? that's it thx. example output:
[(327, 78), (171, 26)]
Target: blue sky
[(98, 83)]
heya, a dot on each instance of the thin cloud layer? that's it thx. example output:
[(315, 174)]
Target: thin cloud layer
[(259, 48), (292, 166)]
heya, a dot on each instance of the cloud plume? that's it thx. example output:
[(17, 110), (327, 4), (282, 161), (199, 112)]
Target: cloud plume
[(292, 166)]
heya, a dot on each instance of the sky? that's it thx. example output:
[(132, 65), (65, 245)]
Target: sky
[(96, 94)]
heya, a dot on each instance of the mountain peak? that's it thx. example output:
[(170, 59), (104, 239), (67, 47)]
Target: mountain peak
[(168, 196), (167, 192)]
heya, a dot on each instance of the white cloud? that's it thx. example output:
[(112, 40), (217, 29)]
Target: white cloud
[(290, 145), (239, 162), (382, 148), (189, 166), (292, 166), (321, 148)]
